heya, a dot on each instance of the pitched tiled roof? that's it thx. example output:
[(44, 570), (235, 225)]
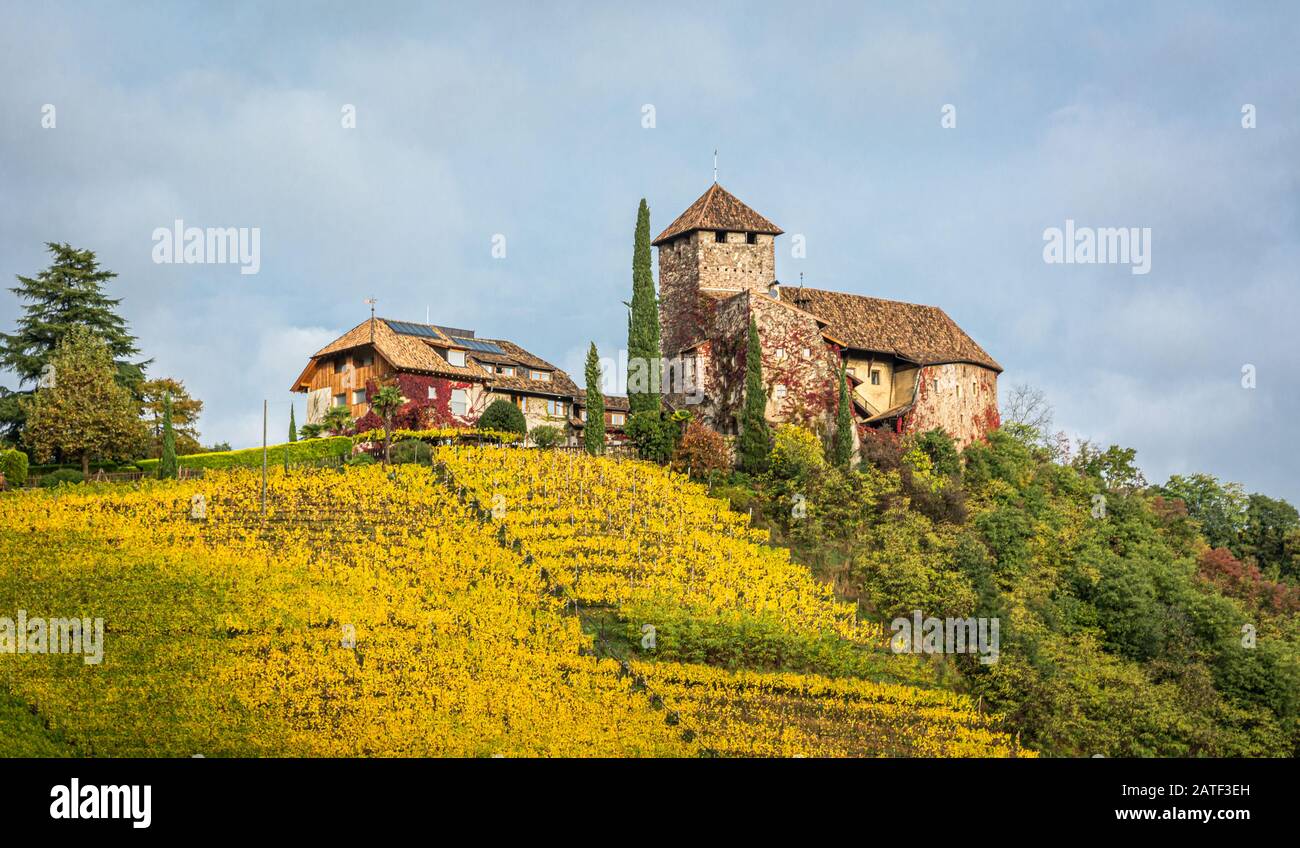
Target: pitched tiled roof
[(559, 385), (923, 334), (512, 354), (405, 353), (613, 403), (718, 209)]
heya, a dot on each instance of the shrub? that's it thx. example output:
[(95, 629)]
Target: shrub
[(410, 451), (13, 464), (702, 451), (941, 449), (504, 416), (63, 475), (881, 449), (654, 435), (546, 436), (361, 459), (797, 452)]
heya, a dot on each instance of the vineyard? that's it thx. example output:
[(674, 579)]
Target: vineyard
[(439, 611)]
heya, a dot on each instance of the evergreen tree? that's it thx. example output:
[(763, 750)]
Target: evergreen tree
[(185, 414), (844, 425), (755, 434), (67, 294), (293, 427), (643, 327), (85, 414), (593, 433), (167, 466)]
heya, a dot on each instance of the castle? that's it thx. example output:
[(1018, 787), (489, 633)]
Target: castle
[(910, 368)]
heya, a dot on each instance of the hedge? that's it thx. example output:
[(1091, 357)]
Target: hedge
[(438, 434), (304, 451)]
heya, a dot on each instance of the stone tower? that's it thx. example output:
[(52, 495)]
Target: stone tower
[(716, 248)]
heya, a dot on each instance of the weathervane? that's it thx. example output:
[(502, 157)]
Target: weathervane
[(715, 164), (371, 301)]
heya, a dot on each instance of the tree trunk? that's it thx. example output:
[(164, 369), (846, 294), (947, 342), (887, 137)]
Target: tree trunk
[(85, 465)]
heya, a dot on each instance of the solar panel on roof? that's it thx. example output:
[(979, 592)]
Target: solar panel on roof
[(480, 346), (407, 329)]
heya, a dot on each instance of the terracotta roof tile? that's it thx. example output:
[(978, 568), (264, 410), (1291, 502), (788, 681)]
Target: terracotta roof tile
[(923, 334), (405, 353), (718, 209), (613, 403)]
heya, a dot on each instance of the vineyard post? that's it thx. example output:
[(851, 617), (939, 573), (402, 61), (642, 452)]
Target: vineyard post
[(264, 403)]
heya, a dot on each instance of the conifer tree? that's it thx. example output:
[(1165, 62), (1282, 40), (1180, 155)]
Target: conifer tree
[(593, 432), (844, 425), (293, 427), (755, 434), (643, 351), (67, 294), (167, 466)]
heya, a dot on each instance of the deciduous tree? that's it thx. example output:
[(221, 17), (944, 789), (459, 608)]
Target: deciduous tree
[(86, 414)]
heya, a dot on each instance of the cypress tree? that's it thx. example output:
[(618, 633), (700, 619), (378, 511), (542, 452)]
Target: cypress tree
[(643, 327), (293, 427), (843, 425), (755, 434), (167, 467), (593, 434)]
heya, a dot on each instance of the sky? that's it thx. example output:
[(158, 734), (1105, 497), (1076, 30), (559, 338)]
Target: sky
[(526, 126)]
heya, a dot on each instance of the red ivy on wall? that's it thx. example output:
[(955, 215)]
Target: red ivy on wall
[(420, 411)]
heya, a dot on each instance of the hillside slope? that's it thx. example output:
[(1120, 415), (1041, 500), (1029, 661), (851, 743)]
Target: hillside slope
[(381, 613)]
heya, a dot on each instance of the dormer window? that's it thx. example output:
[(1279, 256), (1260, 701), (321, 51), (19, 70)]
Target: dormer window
[(456, 357), (541, 375)]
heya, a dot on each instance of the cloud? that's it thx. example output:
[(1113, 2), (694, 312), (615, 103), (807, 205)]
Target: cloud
[(526, 122)]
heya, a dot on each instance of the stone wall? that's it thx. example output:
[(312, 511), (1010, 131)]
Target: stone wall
[(959, 397), (696, 271)]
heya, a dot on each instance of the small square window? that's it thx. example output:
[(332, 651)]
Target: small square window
[(719, 236), (456, 357), (779, 392), (875, 376), (433, 392), (341, 400), (358, 396), (779, 354), (807, 353), (340, 365), (459, 401), (751, 238), (616, 418)]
